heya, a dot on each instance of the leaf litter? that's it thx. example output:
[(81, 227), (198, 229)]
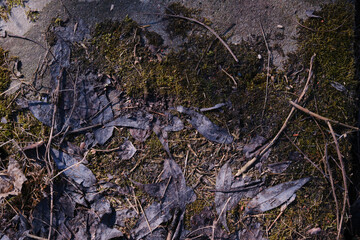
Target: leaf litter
[(206, 127), (235, 190), (172, 193), (81, 211), (11, 180)]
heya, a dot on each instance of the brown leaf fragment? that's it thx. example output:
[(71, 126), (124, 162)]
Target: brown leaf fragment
[(226, 187), (11, 181), (174, 194), (252, 231), (205, 127), (127, 150), (274, 196), (314, 231), (279, 167), (140, 134)]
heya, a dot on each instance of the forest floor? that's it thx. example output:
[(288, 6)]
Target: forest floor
[(177, 122)]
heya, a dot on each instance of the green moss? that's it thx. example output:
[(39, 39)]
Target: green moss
[(331, 39), (191, 75), (332, 42), (194, 75), (5, 10), (32, 15), (179, 27)]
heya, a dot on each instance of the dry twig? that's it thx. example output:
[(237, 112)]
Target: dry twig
[(205, 26), (343, 172), (332, 188), (306, 157), (305, 110), (267, 71), (217, 220)]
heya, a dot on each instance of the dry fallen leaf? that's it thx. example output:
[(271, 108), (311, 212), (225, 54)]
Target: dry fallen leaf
[(11, 181), (274, 196), (314, 231)]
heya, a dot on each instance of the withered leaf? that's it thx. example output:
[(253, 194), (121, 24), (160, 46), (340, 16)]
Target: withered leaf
[(251, 232), (173, 193), (274, 196), (205, 127), (79, 172), (140, 134), (141, 121), (279, 167), (11, 181), (226, 187), (127, 150)]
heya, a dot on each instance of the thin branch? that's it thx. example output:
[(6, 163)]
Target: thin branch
[(146, 219), (332, 188), (35, 237), (305, 110), (229, 75), (306, 157), (217, 220), (343, 173), (205, 26), (267, 71)]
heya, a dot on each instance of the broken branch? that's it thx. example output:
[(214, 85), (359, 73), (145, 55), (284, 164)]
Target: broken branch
[(305, 110), (205, 26)]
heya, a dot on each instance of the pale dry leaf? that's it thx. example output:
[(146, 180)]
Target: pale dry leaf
[(274, 196), (11, 181)]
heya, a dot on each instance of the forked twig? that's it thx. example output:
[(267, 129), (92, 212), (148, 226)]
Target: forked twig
[(217, 220), (143, 212), (306, 157)]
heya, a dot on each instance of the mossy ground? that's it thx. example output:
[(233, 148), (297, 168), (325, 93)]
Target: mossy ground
[(18, 129), (5, 10), (192, 75), (201, 73)]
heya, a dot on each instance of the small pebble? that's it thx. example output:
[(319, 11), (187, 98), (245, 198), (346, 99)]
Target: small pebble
[(3, 120)]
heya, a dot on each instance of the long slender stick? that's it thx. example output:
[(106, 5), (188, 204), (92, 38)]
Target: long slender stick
[(343, 173), (332, 188), (268, 71), (249, 164), (217, 220), (305, 110), (205, 26)]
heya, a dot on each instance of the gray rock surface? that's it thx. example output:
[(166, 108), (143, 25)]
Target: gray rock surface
[(246, 14)]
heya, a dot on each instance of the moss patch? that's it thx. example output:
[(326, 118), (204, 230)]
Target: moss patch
[(5, 10)]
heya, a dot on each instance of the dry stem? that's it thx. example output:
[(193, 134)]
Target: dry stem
[(343, 173), (267, 72), (332, 188), (305, 110), (205, 26)]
